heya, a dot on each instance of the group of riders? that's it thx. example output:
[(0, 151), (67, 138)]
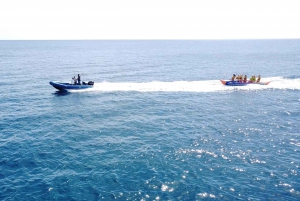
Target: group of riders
[(243, 78), (76, 80)]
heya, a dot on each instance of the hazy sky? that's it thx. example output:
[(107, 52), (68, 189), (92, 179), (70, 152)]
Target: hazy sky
[(149, 19)]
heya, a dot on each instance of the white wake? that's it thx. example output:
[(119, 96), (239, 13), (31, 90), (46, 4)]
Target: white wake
[(192, 86)]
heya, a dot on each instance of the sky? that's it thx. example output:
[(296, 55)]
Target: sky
[(149, 19)]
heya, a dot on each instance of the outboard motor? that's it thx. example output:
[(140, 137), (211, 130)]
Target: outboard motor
[(90, 83)]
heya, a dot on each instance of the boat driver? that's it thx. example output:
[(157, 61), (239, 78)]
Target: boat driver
[(78, 79)]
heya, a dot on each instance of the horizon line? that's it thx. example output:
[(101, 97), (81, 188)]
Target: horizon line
[(212, 39)]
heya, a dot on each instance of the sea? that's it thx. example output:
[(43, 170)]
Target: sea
[(157, 125)]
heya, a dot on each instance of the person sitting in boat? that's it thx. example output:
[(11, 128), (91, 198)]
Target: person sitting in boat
[(78, 79), (253, 79), (240, 78), (258, 79), (233, 77), (245, 79)]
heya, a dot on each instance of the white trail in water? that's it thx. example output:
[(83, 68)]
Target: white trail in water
[(193, 86)]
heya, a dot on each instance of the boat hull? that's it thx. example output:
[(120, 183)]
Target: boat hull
[(237, 83), (67, 86)]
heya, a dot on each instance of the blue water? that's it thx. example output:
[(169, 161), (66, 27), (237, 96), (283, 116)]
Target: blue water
[(158, 124)]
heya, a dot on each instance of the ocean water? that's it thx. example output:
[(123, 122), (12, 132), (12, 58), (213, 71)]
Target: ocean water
[(158, 124)]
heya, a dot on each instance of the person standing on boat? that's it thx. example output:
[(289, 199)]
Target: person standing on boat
[(78, 79), (74, 79)]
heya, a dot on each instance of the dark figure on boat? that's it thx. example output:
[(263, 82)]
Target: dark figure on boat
[(78, 79)]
